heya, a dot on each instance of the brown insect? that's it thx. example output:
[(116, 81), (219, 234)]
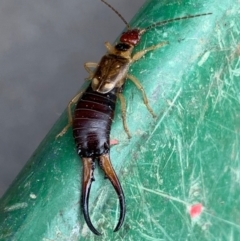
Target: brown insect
[(95, 108)]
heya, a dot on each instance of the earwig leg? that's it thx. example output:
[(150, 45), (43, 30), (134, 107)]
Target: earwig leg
[(109, 47), (69, 109), (88, 178), (139, 86), (140, 54), (123, 109), (105, 164), (88, 67)]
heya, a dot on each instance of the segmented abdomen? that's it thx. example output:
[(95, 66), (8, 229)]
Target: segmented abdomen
[(92, 121)]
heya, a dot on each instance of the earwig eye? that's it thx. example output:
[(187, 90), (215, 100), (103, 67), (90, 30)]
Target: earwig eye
[(122, 47)]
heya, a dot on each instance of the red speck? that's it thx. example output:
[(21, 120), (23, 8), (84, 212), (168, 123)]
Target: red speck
[(113, 142), (195, 210)]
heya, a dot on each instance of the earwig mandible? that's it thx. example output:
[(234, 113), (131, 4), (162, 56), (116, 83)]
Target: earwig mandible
[(95, 108)]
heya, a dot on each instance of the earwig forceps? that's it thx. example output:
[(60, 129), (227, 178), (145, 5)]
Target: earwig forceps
[(88, 178)]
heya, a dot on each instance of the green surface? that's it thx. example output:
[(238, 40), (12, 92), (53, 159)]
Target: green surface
[(188, 155)]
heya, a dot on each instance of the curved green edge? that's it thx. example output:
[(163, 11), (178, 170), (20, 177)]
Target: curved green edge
[(180, 172)]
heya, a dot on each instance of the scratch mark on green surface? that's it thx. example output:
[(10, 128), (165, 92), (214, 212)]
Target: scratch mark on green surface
[(162, 194), (204, 58), (15, 207), (160, 227), (169, 158), (219, 37), (221, 126), (5, 234), (181, 214), (223, 220), (165, 113), (147, 237), (180, 148)]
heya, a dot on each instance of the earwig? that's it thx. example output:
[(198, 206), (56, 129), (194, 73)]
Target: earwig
[(95, 108)]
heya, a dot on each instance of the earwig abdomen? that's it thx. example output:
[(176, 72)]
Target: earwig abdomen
[(92, 122)]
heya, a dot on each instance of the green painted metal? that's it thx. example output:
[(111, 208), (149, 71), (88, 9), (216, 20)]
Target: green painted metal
[(180, 172)]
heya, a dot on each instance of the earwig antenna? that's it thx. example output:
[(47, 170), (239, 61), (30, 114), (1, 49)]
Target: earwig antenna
[(172, 20), (119, 15)]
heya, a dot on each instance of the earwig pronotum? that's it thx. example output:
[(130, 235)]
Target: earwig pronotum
[(95, 108)]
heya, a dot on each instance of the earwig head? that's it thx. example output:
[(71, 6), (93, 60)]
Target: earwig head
[(131, 37)]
